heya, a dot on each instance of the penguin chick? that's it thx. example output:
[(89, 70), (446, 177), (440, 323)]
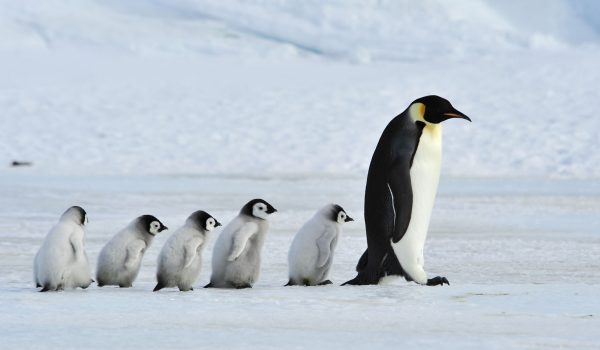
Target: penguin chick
[(61, 262), (180, 259), (311, 253), (236, 255), (120, 260)]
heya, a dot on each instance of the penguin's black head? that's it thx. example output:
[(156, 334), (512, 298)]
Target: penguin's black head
[(77, 214), (338, 214), (434, 109), (258, 208), (203, 220), (150, 224)]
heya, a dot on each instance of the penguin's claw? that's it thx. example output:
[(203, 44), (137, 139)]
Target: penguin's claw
[(437, 281)]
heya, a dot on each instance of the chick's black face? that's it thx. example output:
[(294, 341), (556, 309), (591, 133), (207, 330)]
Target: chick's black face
[(258, 208), (151, 225), (339, 215), (204, 220), (438, 109), (81, 213)]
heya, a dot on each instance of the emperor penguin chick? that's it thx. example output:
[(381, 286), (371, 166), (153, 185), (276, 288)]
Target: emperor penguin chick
[(236, 255), (120, 260), (311, 253), (61, 262), (180, 259)]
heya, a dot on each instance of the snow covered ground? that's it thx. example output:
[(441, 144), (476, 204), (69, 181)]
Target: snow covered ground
[(166, 107), (521, 257)]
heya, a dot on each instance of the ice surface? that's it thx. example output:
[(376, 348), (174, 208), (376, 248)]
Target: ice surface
[(521, 257), (167, 107)]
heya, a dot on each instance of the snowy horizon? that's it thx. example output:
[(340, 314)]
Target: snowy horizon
[(281, 88)]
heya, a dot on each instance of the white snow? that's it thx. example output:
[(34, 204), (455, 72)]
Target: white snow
[(167, 107)]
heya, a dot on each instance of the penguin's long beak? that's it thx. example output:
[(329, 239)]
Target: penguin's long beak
[(454, 113)]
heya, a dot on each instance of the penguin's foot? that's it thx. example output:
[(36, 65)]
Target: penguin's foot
[(324, 283), (210, 285), (185, 289), (46, 288), (437, 281), (243, 286), (290, 283), (125, 285)]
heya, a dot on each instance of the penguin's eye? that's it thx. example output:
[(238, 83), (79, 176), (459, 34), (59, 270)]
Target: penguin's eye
[(261, 208)]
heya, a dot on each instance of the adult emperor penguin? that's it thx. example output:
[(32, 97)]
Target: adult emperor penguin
[(236, 254), (180, 259), (120, 260), (61, 261), (400, 192), (311, 252)]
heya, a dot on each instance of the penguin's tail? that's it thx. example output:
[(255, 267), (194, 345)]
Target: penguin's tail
[(158, 287), (290, 283), (363, 261), (210, 285), (370, 271), (364, 277)]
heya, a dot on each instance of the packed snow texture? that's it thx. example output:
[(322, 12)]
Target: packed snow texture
[(521, 257), (167, 107)]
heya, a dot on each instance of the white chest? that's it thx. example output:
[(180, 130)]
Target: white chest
[(424, 177)]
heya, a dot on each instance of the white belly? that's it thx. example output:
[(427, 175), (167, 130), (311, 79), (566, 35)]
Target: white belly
[(424, 177)]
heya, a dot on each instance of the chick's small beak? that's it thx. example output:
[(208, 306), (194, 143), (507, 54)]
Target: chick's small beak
[(348, 219), (217, 224), (272, 210), (163, 228)]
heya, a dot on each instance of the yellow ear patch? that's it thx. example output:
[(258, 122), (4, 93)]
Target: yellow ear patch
[(417, 112)]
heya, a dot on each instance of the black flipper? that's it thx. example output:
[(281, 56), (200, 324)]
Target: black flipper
[(402, 196), (437, 281)]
